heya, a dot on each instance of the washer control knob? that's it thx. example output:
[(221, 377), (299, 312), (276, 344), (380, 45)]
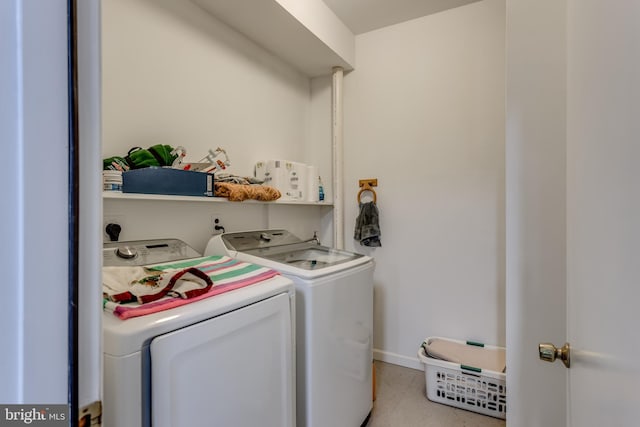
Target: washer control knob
[(265, 237), (126, 252)]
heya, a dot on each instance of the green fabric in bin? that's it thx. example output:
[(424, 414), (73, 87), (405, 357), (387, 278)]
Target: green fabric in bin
[(138, 158)]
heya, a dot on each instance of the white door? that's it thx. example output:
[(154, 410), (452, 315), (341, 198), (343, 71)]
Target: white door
[(573, 148), (603, 211), (34, 216), (535, 209)]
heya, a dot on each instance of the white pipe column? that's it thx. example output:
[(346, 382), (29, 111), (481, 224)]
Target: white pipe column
[(337, 154)]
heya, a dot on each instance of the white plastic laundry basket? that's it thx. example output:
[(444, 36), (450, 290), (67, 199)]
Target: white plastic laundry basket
[(463, 386)]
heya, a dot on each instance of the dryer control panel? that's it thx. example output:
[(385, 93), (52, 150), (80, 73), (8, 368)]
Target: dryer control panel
[(146, 252)]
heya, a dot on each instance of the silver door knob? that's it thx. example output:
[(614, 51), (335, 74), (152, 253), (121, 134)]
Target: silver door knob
[(549, 353)]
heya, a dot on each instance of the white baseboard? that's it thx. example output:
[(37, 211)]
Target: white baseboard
[(398, 359)]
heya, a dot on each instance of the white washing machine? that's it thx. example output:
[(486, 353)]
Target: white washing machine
[(334, 321), (227, 360)]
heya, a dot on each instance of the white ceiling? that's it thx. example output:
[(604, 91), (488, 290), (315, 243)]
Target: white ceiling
[(366, 15)]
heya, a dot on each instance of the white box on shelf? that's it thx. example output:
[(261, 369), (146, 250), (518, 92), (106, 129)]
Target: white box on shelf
[(287, 176)]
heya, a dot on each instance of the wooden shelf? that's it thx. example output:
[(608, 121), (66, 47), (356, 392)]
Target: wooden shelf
[(114, 195)]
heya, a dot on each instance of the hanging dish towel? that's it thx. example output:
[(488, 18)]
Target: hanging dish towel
[(367, 230)]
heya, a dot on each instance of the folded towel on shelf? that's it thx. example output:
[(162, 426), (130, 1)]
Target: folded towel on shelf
[(367, 230), (239, 192)]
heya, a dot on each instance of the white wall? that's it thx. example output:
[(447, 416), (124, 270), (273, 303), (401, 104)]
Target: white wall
[(427, 94), (174, 74), (424, 113), (193, 221)]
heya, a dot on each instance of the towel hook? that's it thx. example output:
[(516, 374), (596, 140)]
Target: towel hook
[(367, 185)]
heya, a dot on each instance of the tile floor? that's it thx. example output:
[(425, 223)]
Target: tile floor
[(401, 402)]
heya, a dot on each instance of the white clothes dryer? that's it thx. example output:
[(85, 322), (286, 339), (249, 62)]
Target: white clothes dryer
[(334, 321), (227, 360)]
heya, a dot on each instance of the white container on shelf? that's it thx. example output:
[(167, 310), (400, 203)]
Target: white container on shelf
[(287, 176)]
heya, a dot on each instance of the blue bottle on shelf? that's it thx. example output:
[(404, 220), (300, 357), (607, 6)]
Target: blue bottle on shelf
[(320, 190)]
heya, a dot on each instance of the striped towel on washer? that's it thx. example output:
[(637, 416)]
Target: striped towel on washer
[(226, 274)]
